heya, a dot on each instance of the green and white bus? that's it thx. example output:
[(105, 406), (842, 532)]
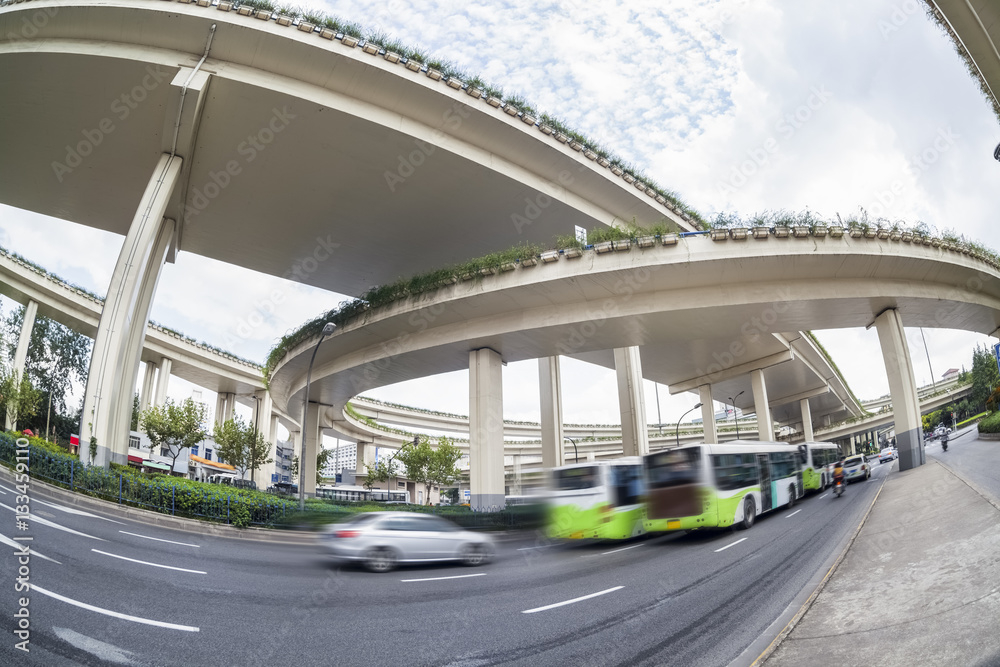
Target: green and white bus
[(817, 473), (714, 486), (596, 500)]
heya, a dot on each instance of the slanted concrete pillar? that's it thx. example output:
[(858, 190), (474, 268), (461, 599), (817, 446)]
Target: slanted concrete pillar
[(148, 386), (486, 466), (807, 420), (708, 413), (21, 352), (162, 382), (765, 427), (550, 391), (631, 401), (313, 441), (114, 363)]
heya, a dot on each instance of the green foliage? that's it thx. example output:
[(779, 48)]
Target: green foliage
[(241, 445), (991, 424), (57, 356), (173, 426), (985, 377), (428, 465), (18, 397), (134, 424)]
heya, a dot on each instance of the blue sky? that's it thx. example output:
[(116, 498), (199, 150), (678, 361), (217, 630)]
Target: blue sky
[(737, 106)]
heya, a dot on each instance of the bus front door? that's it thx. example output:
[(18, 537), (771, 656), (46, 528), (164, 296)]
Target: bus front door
[(765, 482)]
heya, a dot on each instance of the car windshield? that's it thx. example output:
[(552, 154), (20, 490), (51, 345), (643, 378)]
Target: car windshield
[(574, 479), (853, 461)]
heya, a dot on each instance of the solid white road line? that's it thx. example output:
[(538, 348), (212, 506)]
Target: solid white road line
[(19, 545), (147, 537), (142, 562), (544, 546), (108, 653), (115, 614), (458, 576), (579, 599), (622, 549), (823, 496), (788, 516), (733, 544), (70, 510), (46, 522)]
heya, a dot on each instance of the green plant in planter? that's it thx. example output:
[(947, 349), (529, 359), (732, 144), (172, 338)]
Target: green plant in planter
[(259, 5), (315, 18), (475, 82), (289, 11)]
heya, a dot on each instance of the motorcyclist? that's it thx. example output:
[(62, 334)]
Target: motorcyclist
[(838, 473)]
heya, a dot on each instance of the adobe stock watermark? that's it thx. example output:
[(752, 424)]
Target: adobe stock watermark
[(22, 517), (760, 156), (121, 108), (898, 16), (31, 25), (255, 144), (916, 165)]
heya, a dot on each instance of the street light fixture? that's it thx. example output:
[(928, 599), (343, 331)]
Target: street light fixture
[(677, 431), (732, 399), (576, 453), (327, 330)]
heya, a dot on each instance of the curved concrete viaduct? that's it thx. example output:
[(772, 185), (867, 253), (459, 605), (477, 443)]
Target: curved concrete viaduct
[(678, 305)]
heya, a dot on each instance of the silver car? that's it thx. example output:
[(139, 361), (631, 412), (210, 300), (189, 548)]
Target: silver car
[(381, 540)]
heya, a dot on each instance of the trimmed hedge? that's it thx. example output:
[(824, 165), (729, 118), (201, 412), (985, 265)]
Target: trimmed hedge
[(990, 424)]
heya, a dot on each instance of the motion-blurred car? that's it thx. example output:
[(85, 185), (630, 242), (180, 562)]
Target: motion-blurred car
[(887, 454), (856, 468), (381, 540)]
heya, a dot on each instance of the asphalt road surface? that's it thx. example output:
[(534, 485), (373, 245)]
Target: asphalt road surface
[(107, 590)]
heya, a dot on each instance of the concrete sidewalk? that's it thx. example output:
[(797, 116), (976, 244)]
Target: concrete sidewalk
[(920, 585)]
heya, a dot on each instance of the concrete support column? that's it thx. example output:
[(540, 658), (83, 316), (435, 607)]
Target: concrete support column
[(260, 419), (313, 441), (807, 420), (708, 413), (515, 482), (114, 363), (162, 382), (268, 469), (902, 389), (765, 427), (148, 386), (21, 352), (631, 402), (827, 420), (486, 465), (550, 391)]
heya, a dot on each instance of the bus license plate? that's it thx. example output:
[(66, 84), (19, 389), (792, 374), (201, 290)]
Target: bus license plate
[(673, 525)]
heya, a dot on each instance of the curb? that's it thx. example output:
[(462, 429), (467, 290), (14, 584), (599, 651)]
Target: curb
[(167, 521), (787, 630)]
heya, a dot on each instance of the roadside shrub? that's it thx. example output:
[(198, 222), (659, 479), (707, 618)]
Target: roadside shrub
[(990, 424)]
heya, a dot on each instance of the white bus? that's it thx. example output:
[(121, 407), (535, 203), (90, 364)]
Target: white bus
[(713, 486), (598, 499), (345, 492)]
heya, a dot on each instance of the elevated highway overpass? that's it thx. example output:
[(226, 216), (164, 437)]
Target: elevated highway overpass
[(304, 154)]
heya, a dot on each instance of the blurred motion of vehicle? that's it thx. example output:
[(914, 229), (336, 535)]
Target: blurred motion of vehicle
[(597, 499), (887, 454), (817, 472), (708, 486), (856, 468), (382, 540), (343, 492)]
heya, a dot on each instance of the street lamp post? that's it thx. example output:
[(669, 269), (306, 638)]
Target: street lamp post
[(732, 399), (256, 422), (677, 431), (327, 330), (576, 453)]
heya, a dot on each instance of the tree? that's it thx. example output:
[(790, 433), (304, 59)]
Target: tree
[(18, 398), (985, 377), (241, 446), (174, 427), (380, 471), (430, 466), (134, 425), (322, 458), (57, 356)]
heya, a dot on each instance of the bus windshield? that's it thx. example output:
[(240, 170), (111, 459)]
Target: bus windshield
[(574, 479), (674, 467)]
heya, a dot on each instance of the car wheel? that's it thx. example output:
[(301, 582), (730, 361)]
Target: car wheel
[(380, 559), (749, 513), (474, 554), (791, 496)]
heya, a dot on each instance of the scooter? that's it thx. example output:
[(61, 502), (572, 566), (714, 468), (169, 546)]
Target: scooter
[(944, 442), (838, 488)]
